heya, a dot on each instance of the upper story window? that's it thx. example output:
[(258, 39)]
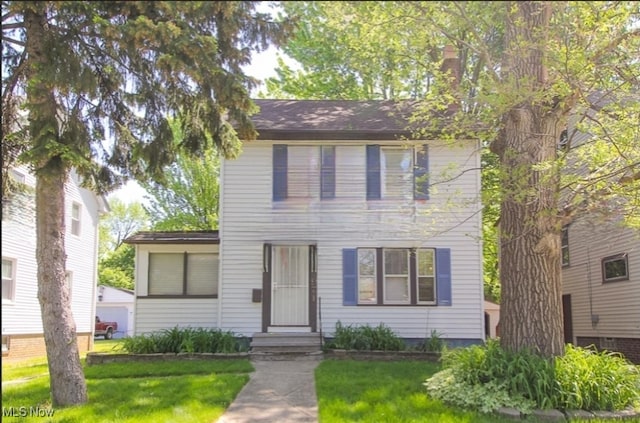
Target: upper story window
[(615, 268), (183, 274), (8, 280), (565, 246), (397, 172), (76, 213), (303, 172), (309, 172)]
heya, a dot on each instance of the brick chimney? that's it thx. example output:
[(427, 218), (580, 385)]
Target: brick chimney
[(451, 65)]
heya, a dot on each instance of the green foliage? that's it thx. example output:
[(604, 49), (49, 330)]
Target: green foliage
[(117, 268), (122, 221), (434, 343), (184, 340), (591, 380), (486, 377), (367, 338), (188, 196)]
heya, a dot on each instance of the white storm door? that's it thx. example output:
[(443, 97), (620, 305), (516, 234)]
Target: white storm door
[(290, 286)]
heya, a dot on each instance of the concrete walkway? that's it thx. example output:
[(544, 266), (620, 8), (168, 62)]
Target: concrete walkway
[(278, 391)]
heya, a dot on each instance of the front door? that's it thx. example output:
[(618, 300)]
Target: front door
[(290, 286)]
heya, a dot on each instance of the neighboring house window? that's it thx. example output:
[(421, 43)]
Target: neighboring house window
[(397, 173), (615, 268), (8, 280), (303, 172), (397, 276), (18, 176), (565, 246), (76, 212), (180, 274), (5, 343), (564, 140)]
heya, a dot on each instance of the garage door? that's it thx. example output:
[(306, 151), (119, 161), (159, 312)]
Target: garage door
[(115, 314)]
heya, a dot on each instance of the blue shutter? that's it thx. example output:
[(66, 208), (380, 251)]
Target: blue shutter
[(327, 171), (373, 172), (349, 276), (421, 174), (443, 276), (279, 172)]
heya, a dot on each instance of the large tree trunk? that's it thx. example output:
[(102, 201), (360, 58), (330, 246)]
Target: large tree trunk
[(530, 269), (66, 377)]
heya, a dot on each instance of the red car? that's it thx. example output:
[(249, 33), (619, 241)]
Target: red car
[(105, 329)]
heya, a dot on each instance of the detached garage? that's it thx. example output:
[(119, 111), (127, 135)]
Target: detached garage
[(116, 305)]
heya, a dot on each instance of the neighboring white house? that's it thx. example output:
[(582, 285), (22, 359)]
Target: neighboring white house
[(22, 334), (333, 214), (116, 305)]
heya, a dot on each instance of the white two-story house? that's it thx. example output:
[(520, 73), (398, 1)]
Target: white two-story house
[(22, 333), (335, 213)]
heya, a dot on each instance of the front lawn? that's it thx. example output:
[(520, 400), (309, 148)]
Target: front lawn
[(366, 391), (177, 391)]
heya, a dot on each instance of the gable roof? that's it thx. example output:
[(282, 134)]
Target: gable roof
[(332, 119), (174, 237)]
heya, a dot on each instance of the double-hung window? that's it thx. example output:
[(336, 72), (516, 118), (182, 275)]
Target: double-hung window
[(76, 212), (8, 280), (183, 274), (397, 276), (565, 246), (303, 172), (397, 172)]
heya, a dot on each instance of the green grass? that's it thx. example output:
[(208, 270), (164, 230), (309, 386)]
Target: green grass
[(108, 346), (362, 391), (177, 391)]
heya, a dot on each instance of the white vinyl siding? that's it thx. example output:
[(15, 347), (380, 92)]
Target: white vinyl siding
[(450, 219)]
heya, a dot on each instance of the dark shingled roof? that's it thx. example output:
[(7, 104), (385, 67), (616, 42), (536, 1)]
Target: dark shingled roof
[(332, 119), (178, 237)]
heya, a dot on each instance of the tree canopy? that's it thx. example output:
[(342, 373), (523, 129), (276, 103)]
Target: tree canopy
[(92, 86), (529, 71)]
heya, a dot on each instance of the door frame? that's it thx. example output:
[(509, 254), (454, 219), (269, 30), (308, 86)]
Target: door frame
[(267, 257)]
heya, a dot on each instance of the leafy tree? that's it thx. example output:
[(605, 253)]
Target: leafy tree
[(187, 198), (528, 69), (86, 72), (122, 221), (117, 267)]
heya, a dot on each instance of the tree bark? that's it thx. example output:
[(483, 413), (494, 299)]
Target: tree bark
[(67, 382), (530, 267)]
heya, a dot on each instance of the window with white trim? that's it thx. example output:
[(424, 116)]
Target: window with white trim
[(8, 280), (615, 268), (565, 246), (76, 213), (5, 343), (183, 274)]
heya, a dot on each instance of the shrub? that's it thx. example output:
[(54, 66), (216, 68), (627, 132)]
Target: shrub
[(590, 380), (366, 338), (184, 340), (487, 377)]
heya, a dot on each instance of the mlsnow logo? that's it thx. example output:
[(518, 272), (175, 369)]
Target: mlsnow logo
[(27, 412)]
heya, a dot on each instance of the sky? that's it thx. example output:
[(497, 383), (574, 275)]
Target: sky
[(262, 66)]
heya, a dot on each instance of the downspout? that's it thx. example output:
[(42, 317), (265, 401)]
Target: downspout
[(221, 242)]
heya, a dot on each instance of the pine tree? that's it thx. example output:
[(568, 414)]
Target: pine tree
[(99, 82)]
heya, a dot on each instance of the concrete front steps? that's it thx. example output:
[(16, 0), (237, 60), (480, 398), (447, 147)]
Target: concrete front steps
[(286, 346)]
